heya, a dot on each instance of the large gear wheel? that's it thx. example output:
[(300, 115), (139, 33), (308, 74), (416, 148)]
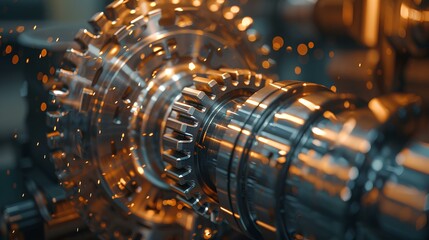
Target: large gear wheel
[(187, 126), (106, 120)]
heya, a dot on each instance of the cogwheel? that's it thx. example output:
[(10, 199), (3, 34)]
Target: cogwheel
[(104, 147), (185, 130)]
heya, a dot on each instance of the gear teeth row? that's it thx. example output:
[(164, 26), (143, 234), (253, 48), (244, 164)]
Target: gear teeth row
[(99, 22), (184, 127), (123, 24), (114, 10)]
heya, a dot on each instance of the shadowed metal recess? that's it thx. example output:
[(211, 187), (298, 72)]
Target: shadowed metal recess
[(168, 125)]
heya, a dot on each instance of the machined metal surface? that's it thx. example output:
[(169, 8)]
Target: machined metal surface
[(114, 96), (162, 127), (187, 133)]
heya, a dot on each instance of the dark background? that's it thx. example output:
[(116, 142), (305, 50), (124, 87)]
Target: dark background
[(17, 17)]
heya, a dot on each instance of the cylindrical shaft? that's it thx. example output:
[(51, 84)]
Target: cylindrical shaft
[(301, 162)]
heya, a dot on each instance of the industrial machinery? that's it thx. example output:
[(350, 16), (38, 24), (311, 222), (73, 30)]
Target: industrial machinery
[(166, 121)]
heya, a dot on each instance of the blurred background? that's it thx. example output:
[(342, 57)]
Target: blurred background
[(48, 25), (356, 46)]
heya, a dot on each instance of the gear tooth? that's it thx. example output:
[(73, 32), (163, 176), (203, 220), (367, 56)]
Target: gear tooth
[(180, 175), (69, 78), (184, 108), (65, 76), (245, 76), (260, 80), (251, 79), (131, 4), (195, 204), (74, 56), (245, 73), (84, 37), (139, 21), (183, 190), (191, 203), (114, 10), (220, 77), (180, 126), (232, 72), (239, 75), (180, 143), (153, 14), (195, 96), (176, 159), (121, 33), (206, 85), (98, 21), (168, 16), (87, 95), (55, 139)]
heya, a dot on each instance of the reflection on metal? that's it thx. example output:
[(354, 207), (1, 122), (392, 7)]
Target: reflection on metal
[(162, 128)]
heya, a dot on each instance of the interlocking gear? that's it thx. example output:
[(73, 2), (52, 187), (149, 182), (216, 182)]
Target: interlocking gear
[(187, 125), (142, 54), (268, 159)]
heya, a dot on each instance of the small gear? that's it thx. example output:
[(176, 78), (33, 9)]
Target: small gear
[(185, 129)]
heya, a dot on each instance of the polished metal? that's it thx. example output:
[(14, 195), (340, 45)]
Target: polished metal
[(297, 161), (113, 99), (187, 130), (163, 98)]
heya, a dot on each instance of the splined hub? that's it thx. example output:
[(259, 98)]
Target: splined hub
[(187, 127)]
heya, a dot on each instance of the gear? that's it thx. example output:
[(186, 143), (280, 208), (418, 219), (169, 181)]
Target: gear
[(186, 130), (105, 149)]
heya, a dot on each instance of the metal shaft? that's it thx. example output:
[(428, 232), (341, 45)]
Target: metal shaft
[(297, 161)]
